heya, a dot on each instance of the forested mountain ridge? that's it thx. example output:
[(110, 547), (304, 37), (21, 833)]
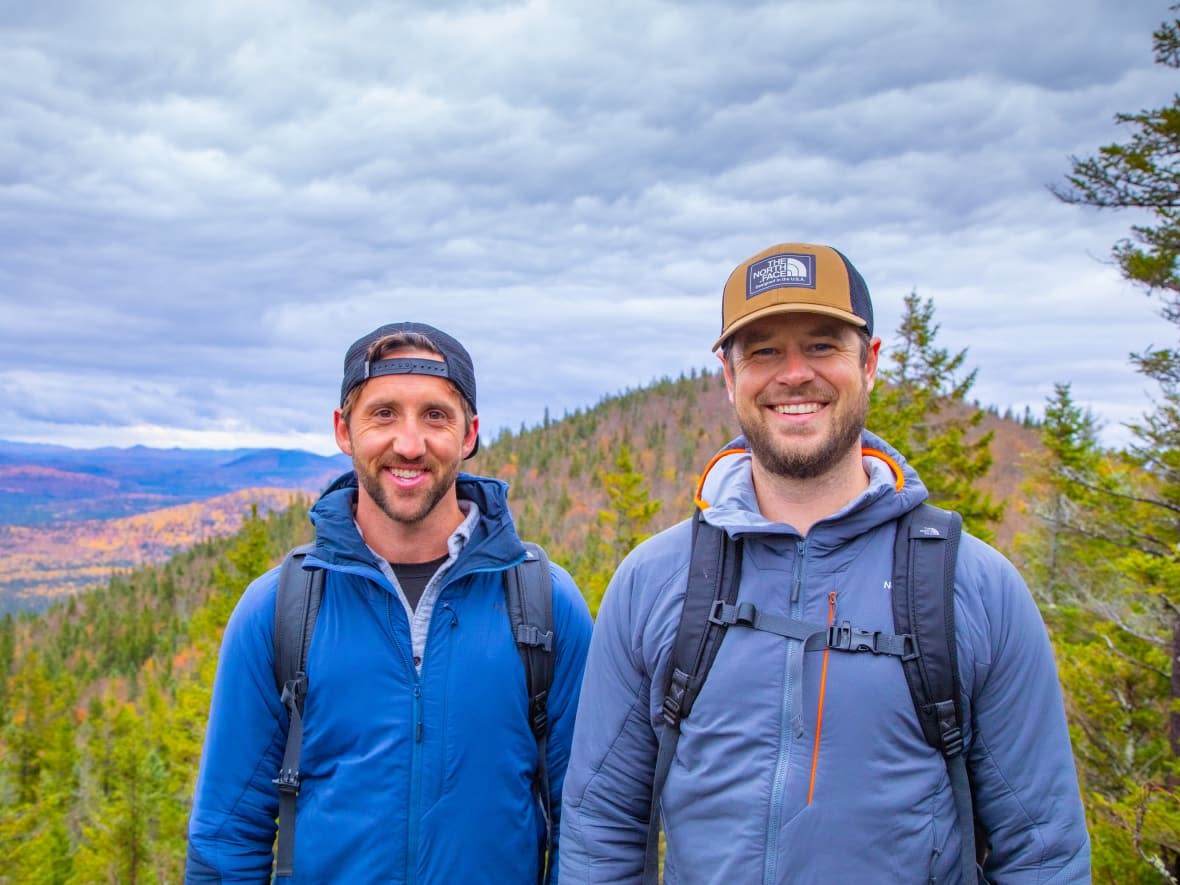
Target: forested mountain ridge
[(102, 713)]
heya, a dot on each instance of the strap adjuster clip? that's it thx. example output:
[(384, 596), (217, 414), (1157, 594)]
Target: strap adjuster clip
[(743, 614), (721, 614), (539, 713), (287, 782), (909, 648), (845, 637), (674, 699), (530, 635), (294, 690)]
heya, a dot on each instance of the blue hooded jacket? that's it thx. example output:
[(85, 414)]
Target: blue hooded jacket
[(411, 773), (828, 778)]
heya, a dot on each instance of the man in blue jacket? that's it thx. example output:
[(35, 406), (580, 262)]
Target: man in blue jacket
[(795, 765), (417, 753)]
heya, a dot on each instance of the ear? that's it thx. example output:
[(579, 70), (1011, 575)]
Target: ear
[(871, 362), (726, 372), (471, 437), (343, 437)]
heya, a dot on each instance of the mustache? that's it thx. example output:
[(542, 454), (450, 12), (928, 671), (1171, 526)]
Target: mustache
[(819, 392)]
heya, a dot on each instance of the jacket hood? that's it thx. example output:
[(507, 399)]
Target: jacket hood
[(493, 545), (725, 493)]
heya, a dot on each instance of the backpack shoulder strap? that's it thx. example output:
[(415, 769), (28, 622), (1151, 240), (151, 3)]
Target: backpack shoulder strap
[(924, 556), (714, 573), (528, 593), (297, 602)]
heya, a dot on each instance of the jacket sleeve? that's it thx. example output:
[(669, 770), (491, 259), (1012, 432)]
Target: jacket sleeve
[(572, 626), (232, 824), (1024, 781), (608, 786)]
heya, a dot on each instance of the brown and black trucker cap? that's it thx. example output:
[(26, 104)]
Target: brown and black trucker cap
[(794, 278)]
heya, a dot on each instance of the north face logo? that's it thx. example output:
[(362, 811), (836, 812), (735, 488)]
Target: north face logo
[(929, 531), (781, 271)]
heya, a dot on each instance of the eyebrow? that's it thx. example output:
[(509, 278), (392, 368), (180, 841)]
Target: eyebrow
[(828, 329), (430, 405)]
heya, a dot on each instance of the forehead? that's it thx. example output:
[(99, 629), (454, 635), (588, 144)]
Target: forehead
[(793, 324)]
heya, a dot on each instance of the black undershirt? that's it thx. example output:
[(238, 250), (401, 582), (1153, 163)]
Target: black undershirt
[(413, 577)]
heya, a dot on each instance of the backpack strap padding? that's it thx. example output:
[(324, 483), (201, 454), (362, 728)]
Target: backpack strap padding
[(714, 573), (924, 557), (528, 594), (297, 603)]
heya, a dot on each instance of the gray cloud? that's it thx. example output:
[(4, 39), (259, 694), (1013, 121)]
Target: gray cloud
[(201, 205)]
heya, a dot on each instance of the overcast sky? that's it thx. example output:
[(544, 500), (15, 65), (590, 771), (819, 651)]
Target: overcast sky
[(203, 204)]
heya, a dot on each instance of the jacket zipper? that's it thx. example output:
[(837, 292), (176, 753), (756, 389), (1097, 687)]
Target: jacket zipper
[(416, 754), (412, 835), (786, 734), (819, 712)]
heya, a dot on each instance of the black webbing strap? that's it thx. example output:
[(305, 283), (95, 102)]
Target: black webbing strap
[(838, 637), (297, 602), (288, 781), (714, 573), (528, 594), (924, 557)]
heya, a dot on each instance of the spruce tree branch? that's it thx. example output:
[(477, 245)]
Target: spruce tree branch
[(1123, 496), (1134, 541), (1133, 661)]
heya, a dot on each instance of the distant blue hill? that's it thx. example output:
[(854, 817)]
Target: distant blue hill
[(48, 483)]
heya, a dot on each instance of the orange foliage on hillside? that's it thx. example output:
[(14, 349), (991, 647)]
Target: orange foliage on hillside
[(53, 561)]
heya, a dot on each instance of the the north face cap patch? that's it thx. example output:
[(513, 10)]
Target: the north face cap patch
[(785, 270)]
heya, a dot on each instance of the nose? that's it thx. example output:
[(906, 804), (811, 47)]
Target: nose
[(795, 368), (410, 442)]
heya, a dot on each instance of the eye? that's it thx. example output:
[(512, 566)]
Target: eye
[(383, 414), (437, 415)]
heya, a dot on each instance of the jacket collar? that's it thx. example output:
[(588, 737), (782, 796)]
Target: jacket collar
[(493, 545), (725, 493)]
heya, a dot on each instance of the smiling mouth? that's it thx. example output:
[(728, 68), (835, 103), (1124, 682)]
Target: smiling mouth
[(405, 472), (797, 408)]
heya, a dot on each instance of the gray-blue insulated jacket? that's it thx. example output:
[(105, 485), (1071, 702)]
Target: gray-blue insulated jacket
[(852, 793)]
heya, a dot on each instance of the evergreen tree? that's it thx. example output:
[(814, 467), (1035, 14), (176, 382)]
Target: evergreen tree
[(920, 407), (116, 839), (1141, 518), (632, 509), (617, 529), (1142, 173), (1055, 554)]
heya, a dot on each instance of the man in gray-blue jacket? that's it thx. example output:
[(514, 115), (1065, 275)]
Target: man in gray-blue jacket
[(814, 769)]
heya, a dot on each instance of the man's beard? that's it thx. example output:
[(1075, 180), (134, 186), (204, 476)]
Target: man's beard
[(773, 450), (433, 495)]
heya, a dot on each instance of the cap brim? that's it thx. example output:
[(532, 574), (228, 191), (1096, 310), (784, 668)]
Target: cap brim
[(773, 309)]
